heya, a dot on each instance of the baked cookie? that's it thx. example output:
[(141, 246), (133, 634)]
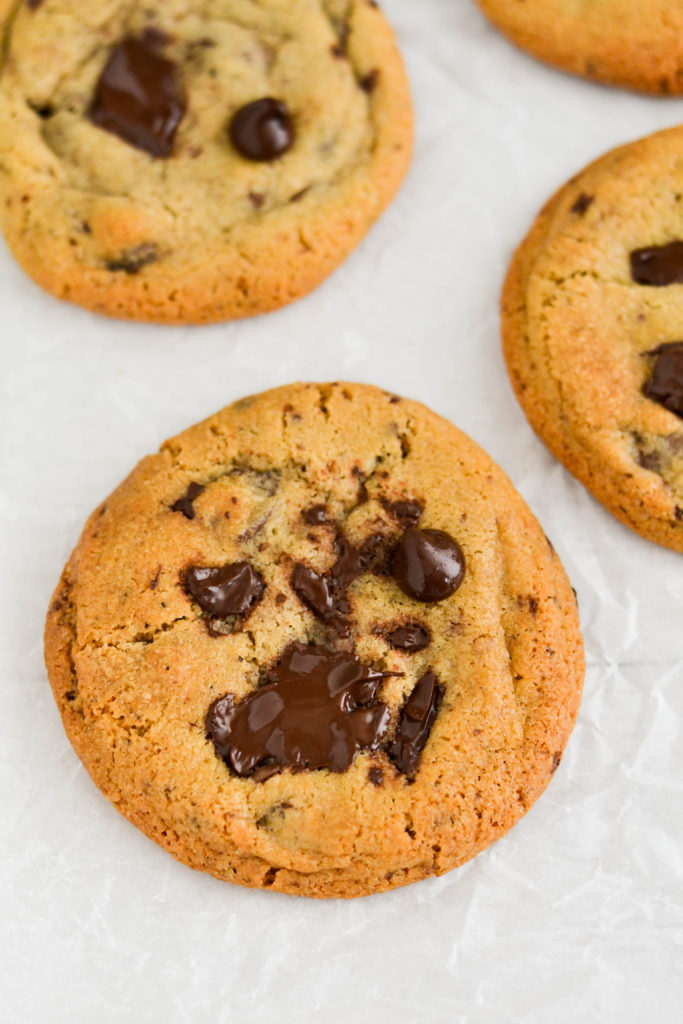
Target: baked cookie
[(630, 43), (186, 163), (318, 643), (592, 322)]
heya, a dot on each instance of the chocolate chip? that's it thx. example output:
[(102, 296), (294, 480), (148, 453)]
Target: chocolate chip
[(407, 513), (658, 265), (33, 4), (262, 130), (325, 594), (555, 764), (376, 776), (375, 552), (582, 204), (316, 515), (225, 590), (131, 261), (651, 461), (318, 709), (314, 590), (411, 637), (428, 565), (186, 503), (139, 97), (415, 724), (368, 83), (348, 566), (666, 383)]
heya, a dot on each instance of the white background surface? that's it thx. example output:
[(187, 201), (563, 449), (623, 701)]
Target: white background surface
[(577, 915)]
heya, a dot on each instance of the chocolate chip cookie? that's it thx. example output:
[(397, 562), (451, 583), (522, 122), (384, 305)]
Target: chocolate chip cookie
[(592, 327), (629, 43), (318, 643), (186, 163)]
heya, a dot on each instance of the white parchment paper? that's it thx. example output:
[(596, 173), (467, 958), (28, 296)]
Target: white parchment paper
[(577, 915)]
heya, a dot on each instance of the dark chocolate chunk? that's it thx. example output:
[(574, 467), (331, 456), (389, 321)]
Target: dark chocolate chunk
[(33, 4), (411, 637), (186, 503), (131, 261), (262, 130), (658, 265), (376, 776), (407, 513), (325, 594), (314, 590), (316, 515), (368, 83), (428, 565), (666, 383), (415, 724), (318, 709), (582, 204), (139, 96), (348, 566), (375, 552), (225, 590)]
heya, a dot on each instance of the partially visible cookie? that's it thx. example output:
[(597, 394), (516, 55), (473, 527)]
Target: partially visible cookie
[(185, 163), (593, 328), (633, 43), (318, 644)]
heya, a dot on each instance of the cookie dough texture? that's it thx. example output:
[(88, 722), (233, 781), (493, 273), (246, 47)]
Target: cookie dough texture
[(134, 668), (577, 327), (204, 235), (633, 43)]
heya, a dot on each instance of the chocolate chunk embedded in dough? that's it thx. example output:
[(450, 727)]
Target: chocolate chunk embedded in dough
[(140, 97), (658, 265), (318, 709), (666, 383)]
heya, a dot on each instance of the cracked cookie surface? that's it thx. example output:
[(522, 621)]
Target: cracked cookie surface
[(135, 201), (591, 305), (452, 710), (620, 42)]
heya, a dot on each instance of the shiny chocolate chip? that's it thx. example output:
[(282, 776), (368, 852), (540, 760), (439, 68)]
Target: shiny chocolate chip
[(411, 637), (139, 96), (658, 265), (225, 590), (314, 590), (415, 724), (428, 565), (318, 709), (666, 383), (262, 130)]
